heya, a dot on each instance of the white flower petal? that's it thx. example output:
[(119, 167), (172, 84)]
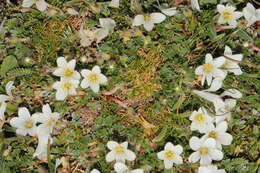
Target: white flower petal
[(194, 157), (216, 154), (178, 160), (85, 72), (95, 87), (215, 85), (103, 79), (110, 156), (148, 26), (232, 93), (225, 138), (169, 146), (169, 11), (130, 155), (61, 94), (137, 171), (138, 20), (24, 113), (112, 144), (9, 87), (168, 164), (208, 58), (220, 8), (16, 122), (114, 3), (96, 69), (41, 5), (199, 70), (205, 160), (195, 5), (22, 132), (160, 155), (61, 62), (210, 143), (27, 3), (194, 143), (157, 17), (84, 84)]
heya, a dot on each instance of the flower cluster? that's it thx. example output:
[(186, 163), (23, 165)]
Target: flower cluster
[(214, 126), (227, 13), (69, 78), (27, 124)]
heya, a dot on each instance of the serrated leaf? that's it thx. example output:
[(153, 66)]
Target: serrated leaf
[(161, 135), (8, 64), (244, 36)]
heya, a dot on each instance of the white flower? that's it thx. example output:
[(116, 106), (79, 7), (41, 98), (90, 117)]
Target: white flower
[(222, 108), (232, 66), (195, 5), (25, 123), (95, 171), (225, 112), (228, 15), (47, 118), (65, 87), (3, 99), (210, 169), (114, 3), (169, 11), (88, 36), (107, 23), (2, 28), (122, 168), (9, 87), (205, 151), (66, 69), (40, 4), (148, 20), (201, 121), (42, 147), (170, 155), (219, 134), (93, 78), (211, 69), (119, 152), (251, 14)]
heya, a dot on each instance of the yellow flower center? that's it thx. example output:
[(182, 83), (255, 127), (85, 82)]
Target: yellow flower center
[(51, 121), (208, 68), (147, 18), (119, 149), (169, 155), (66, 86), (93, 77), (227, 15), (68, 72), (213, 134), (200, 118), (28, 124), (203, 150)]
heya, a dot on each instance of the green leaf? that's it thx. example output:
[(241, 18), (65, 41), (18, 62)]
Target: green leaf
[(9, 63), (243, 35), (161, 135)]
